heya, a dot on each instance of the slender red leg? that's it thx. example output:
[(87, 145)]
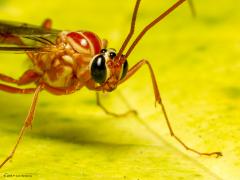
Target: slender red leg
[(104, 43), (10, 89), (64, 91), (28, 77), (159, 101), (7, 79), (47, 24), (25, 80), (192, 8), (27, 123), (111, 113)]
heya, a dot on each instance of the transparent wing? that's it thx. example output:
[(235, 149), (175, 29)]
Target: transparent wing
[(22, 37)]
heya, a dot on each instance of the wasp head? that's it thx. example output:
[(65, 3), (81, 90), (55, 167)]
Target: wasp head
[(107, 69)]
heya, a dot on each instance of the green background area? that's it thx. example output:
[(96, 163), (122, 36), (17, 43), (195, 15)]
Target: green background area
[(196, 62)]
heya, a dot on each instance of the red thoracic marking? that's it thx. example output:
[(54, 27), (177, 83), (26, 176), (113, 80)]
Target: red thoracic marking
[(79, 39), (84, 42), (96, 42)]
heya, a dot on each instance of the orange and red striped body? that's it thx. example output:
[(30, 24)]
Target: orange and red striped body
[(68, 60)]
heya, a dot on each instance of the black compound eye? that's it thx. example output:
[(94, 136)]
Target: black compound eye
[(98, 69), (112, 55), (103, 51), (124, 69)]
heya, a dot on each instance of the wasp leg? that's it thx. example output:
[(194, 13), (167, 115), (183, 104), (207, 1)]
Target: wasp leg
[(47, 24), (7, 79), (192, 8), (104, 43), (112, 113), (64, 91), (28, 77), (11, 89), (27, 123), (158, 100)]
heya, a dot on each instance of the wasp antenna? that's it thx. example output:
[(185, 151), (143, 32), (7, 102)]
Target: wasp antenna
[(150, 25), (192, 8), (134, 16)]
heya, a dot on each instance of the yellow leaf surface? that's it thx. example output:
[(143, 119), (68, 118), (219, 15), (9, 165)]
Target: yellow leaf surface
[(196, 62)]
